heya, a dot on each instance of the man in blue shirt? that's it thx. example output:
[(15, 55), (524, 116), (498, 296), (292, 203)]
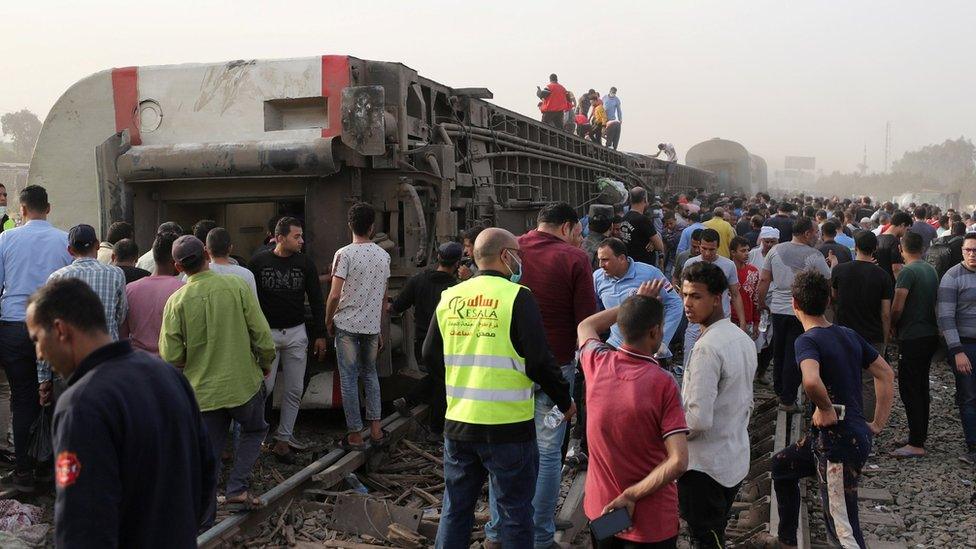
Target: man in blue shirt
[(831, 359), (619, 277), (685, 242), (28, 255), (611, 104)]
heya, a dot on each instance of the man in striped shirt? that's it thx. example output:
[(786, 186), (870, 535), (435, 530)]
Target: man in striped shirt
[(956, 311)]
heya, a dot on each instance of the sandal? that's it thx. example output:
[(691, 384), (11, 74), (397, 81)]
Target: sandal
[(906, 454), (245, 503), (380, 442), (350, 447)]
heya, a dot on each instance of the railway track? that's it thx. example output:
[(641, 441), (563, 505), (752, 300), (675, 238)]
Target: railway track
[(753, 525)]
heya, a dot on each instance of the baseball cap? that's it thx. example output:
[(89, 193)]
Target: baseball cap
[(82, 237), (187, 249), (450, 251)]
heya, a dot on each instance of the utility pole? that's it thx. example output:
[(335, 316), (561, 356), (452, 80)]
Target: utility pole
[(863, 166)]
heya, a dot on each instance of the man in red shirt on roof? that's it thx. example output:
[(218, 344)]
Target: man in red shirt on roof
[(558, 272), (555, 102), (637, 432)]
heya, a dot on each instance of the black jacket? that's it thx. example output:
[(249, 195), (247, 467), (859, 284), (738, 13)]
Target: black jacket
[(423, 292), (529, 339), (133, 464)]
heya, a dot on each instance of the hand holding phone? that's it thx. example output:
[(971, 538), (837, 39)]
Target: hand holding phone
[(614, 522)]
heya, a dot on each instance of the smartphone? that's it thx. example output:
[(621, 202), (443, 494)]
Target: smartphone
[(840, 410), (614, 522)]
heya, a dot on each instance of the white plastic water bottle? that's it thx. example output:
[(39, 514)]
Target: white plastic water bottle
[(764, 321), (553, 418)]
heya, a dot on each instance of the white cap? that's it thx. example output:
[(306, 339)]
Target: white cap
[(769, 232)]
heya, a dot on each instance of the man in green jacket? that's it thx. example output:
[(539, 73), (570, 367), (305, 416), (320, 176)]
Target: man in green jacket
[(213, 329)]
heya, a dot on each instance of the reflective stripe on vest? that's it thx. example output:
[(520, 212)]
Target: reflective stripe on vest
[(484, 376)]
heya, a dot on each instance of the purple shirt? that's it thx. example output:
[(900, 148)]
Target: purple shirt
[(147, 297)]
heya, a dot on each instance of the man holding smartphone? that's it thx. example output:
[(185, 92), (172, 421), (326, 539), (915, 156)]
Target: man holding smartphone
[(637, 436), (835, 449)]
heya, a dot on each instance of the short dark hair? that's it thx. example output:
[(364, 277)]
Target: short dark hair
[(696, 234), (600, 223), (71, 300), (738, 242), (901, 219), (557, 213), (125, 250), (218, 242), (865, 241), (273, 223), (921, 212), (361, 217), (811, 290), (202, 228), (958, 228), (829, 228), (911, 242), (802, 225), (708, 274), (472, 234), (637, 315), (118, 231), (616, 246), (710, 235), (821, 214), (637, 195), (756, 221), (553, 77), (969, 236), (284, 225), (162, 248), (170, 227), (34, 197)]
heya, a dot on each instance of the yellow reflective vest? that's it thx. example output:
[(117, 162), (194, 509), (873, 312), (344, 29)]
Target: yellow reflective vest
[(484, 375)]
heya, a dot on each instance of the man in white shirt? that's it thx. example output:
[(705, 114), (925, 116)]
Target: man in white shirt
[(220, 247), (717, 399)]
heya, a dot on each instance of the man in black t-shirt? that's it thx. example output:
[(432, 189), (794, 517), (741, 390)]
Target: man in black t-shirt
[(783, 222), (285, 277), (423, 292), (888, 253), (828, 231), (638, 232), (862, 294)]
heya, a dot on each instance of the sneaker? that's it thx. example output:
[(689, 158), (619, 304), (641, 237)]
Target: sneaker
[(402, 407), (22, 481), (969, 458)]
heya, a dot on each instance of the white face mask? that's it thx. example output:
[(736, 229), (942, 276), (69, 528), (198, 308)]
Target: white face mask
[(3, 211)]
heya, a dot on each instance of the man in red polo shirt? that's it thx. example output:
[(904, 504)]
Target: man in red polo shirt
[(636, 428), (555, 102), (558, 272)]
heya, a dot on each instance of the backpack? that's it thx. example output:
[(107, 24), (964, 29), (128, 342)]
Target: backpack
[(939, 255)]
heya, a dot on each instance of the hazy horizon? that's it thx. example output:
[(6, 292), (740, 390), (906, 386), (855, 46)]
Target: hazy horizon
[(781, 78)]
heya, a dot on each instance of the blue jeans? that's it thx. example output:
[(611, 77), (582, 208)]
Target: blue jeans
[(966, 396), (356, 355), (511, 469), (550, 442)]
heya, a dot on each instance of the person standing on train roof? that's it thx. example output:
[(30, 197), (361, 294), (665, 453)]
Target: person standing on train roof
[(555, 102)]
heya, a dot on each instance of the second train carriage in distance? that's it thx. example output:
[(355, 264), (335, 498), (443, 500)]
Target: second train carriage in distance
[(734, 168), (242, 141)]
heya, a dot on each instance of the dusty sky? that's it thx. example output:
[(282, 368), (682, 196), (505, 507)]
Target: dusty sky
[(783, 78)]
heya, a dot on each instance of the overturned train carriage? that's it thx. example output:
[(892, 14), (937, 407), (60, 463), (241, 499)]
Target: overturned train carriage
[(242, 141)]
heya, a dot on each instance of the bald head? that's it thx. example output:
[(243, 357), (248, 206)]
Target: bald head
[(489, 245)]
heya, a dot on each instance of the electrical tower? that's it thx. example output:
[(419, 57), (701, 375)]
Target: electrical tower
[(862, 168)]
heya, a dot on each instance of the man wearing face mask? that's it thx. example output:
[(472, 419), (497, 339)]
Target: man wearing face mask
[(487, 340), (560, 276)]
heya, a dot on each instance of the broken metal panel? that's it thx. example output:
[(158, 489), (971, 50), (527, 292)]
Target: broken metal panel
[(356, 514), (363, 119)]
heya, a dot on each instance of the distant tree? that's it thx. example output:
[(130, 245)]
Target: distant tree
[(951, 163), (24, 127)]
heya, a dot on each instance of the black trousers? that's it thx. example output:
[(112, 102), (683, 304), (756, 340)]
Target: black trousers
[(913, 384), (553, 119), (20, 364), (429, 390), (765, 357), (613, 542), (705, 506), (786, 373)]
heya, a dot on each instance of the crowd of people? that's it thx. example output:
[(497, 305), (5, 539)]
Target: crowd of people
[(166, 362), (592, 117)]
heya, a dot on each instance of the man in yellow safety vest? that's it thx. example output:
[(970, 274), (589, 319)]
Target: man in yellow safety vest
[(487, 335)]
